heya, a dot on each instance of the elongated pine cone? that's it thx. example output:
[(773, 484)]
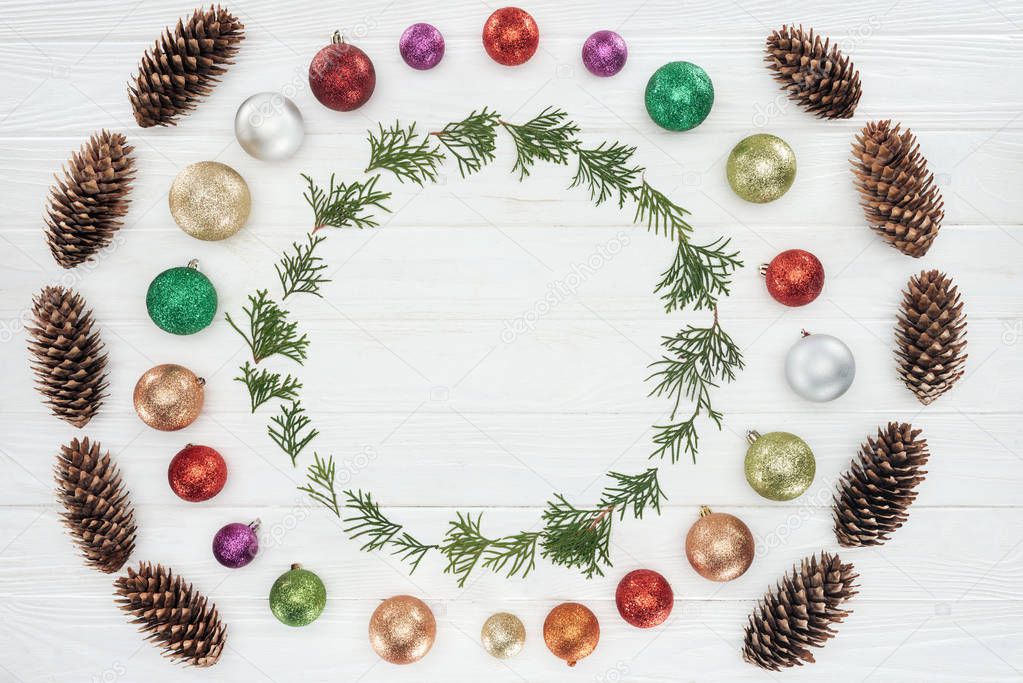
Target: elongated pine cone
[(874, 496), (799, 613), (174, 616), (69, 360), (899, 198), (183, 66), (930, 335), (97, 509), (821, 80)]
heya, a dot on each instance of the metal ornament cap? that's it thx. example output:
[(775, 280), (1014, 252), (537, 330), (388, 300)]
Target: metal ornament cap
[(820, 367)]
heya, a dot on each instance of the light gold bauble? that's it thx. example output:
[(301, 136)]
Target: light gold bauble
[(210, 200), (168, 397), (402, 629), (719, 546), (761, 168), (503, 635), (571, 631)]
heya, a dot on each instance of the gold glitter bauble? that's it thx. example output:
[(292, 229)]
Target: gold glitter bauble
[(503, 635), (571, 631), (761, 168), (168, 397), (210, 200), (719, 546), (402, 629), (779, 465)]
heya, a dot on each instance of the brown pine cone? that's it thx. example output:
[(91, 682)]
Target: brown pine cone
[(822, 81)]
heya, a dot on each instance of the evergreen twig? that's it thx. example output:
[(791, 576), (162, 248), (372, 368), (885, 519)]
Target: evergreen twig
[(270, 333), (637, 491), (605, 171), (546, 137), (472, 140), (465, 548), (345, 205), (660, 214), (396, 150), (698, 275), (265, 385), (300, 272), (367, 521), (578, 538), (321, 483), (288, 434)]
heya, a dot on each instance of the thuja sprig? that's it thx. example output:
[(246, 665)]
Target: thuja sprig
[(300, 270), (290, 430), (546, 137), (366, 521), (320, 486), (637, 492), (660, 214), (605, 171), (698, 275), (397, 150), (345, 205), (265, 385), (465, 548), (269, 332), (472, 140)]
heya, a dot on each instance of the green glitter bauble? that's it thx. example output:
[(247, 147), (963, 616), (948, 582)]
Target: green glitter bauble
[(779, 465), (181, 300), (679, 96), (298, 597), (761, 168)]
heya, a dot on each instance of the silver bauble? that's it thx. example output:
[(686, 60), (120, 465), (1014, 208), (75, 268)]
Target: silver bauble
[(269, 126), (820, 367)]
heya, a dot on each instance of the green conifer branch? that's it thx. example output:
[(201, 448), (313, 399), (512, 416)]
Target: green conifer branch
[(472, 140), (605, 171), (366, 521), (344, 205), (300, 271), (321, 483), (397, 150), (546, 137), (289, 430), (698, 275), (269, 332), (265, 385)]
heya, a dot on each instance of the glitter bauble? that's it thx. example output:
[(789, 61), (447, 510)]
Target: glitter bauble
[(794, 277), (510, 36), (197, 473), (298, 597), (236, 544), (719, 546), (820, 367), (269, 126), (168, 397), (679, 96), (421, 46), (571, 631), (182, 300), (605, 53), (761, 168), (209, 200), (342, 76), (779, 465), (644, 598), (503, 635), (402, 629)]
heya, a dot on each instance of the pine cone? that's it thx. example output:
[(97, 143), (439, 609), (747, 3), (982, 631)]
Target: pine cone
[(175, 617), (182, 67), (799, 612), (97, 509), (86, 206), (823, 82), (930, 335), (69, 363), (874, 496), (897, 192)]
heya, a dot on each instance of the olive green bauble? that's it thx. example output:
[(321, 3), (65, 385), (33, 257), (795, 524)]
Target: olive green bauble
[(779, 465), (182, 300), (761, 168), (298, 597)]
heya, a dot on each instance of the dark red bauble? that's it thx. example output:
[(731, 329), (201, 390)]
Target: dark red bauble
[(644, 598), (342, 76), (510, 36), (197, 473), (794, 278)]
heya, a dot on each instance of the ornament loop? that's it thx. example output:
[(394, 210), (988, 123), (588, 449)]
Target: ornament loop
[(201, 381), (254, 524), (763, 269), (337, 38), (704, 511), (804, 333), (193, 264), (295, 566), (752, 435)]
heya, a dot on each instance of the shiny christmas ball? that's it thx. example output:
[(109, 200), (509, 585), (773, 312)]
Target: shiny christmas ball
[(794, 277), (342, 76), (644, 598), (209, 200), (402, 629), (719, 546), (571, 631), (605, 53), (197, 473), (510, 36), (761, 168), (820, 367), (503, 635), (269, 126), (236, 544), (779, 465), (679, 96), (298, 597), (168, 397), (182, 300), (421, 46)]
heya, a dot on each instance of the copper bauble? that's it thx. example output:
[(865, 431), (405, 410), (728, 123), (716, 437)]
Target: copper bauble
[(168, 397), (510, 36), (402, 629), (571, 631), (644, 598), (197, 473), (719, 546)]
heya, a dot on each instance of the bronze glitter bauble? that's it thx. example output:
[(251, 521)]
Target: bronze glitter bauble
[(644, 598), (571, 631), (210, 200), (779, 465), (503, 635), (197, 473), (510, 36), (719, 546), (402, 629), (168, 397)]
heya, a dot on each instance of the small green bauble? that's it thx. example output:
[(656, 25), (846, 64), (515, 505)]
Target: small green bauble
[(182, 300), (679, 96), (779, 465), (298, 597), (761, 168)]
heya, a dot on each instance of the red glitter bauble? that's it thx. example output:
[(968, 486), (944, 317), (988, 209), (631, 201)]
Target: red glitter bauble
[(644, 598), (342, 76), (510, 36), (794, 278), (197, 473)]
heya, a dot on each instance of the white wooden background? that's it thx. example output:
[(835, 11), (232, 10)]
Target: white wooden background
[(422, 400)]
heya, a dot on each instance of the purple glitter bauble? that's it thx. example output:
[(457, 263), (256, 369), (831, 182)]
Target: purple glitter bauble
[(235, 545), (421, 46), (604, 53)]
